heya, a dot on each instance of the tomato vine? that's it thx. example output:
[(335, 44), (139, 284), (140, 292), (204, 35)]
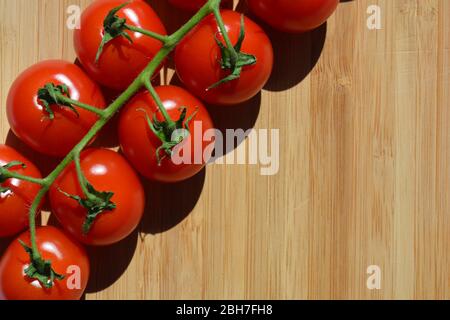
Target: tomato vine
[(95, 201)]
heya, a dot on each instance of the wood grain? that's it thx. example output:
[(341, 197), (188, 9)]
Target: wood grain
[(364, 167)]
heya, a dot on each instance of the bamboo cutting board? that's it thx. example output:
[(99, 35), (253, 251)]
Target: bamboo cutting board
[(364, 174)]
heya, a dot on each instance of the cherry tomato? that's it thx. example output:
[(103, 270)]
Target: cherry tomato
[(15, 202), (121, 61), (105, 170), (293, 16), (192, 5), (67, 257), (139, 143), (31, 123), (197, 60)]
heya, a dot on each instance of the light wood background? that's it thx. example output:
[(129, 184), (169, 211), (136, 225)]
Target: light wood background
[(364, 171)]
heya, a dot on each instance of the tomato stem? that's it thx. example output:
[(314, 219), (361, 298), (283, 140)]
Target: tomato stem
[(95, 202), (52, 94), (162, 109), (80, 175), (97, 111), (5, 174), (232, 58), (223, 31), (148, 33), (36, 255)]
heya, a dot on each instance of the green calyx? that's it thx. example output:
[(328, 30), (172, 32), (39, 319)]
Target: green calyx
[(52, 94), (233, 59), (96, 203), (171, 133), (40, 269), (113, 27), (4, 189), (3, 173)]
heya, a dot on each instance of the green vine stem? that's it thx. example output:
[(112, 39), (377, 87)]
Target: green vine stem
[(40, 268), (159, 103), (99, 112), (81, 178), (224, 33), (232, 58), (95, 202), (6, 174), (52, 94), (147, 33)]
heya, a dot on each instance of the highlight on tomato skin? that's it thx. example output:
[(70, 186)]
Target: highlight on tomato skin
[(140, 144), (293, 16), (32, 124), (121, 61), (68, 258), (15, 202), (107, 171), (197, 60)]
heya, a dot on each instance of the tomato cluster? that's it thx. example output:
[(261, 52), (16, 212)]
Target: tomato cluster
[(98, 197)]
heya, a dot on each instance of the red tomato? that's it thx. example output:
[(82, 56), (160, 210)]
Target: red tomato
[(106, 170), (15, 202), (293, 16), (67, 257), (121, 61), (192, 5), (139, 143), (28, 118), (197, 60)]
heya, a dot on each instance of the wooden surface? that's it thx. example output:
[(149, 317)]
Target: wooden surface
[(364, 171)]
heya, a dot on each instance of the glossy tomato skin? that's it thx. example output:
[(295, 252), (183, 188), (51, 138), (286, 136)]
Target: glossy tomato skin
[(189, 5), (65, 254), (197, 61), (121, 61), (139, 143), (28, 118), (14, 204), (192, 5), (106, 170), (293, 16)]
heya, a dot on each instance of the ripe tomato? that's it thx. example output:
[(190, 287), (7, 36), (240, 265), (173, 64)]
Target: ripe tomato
[(15, 202), (192, 5), (121, 61), (197, 60), (106, 170), (139, 143), (31, 123), (293, 16), (67, 257)]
